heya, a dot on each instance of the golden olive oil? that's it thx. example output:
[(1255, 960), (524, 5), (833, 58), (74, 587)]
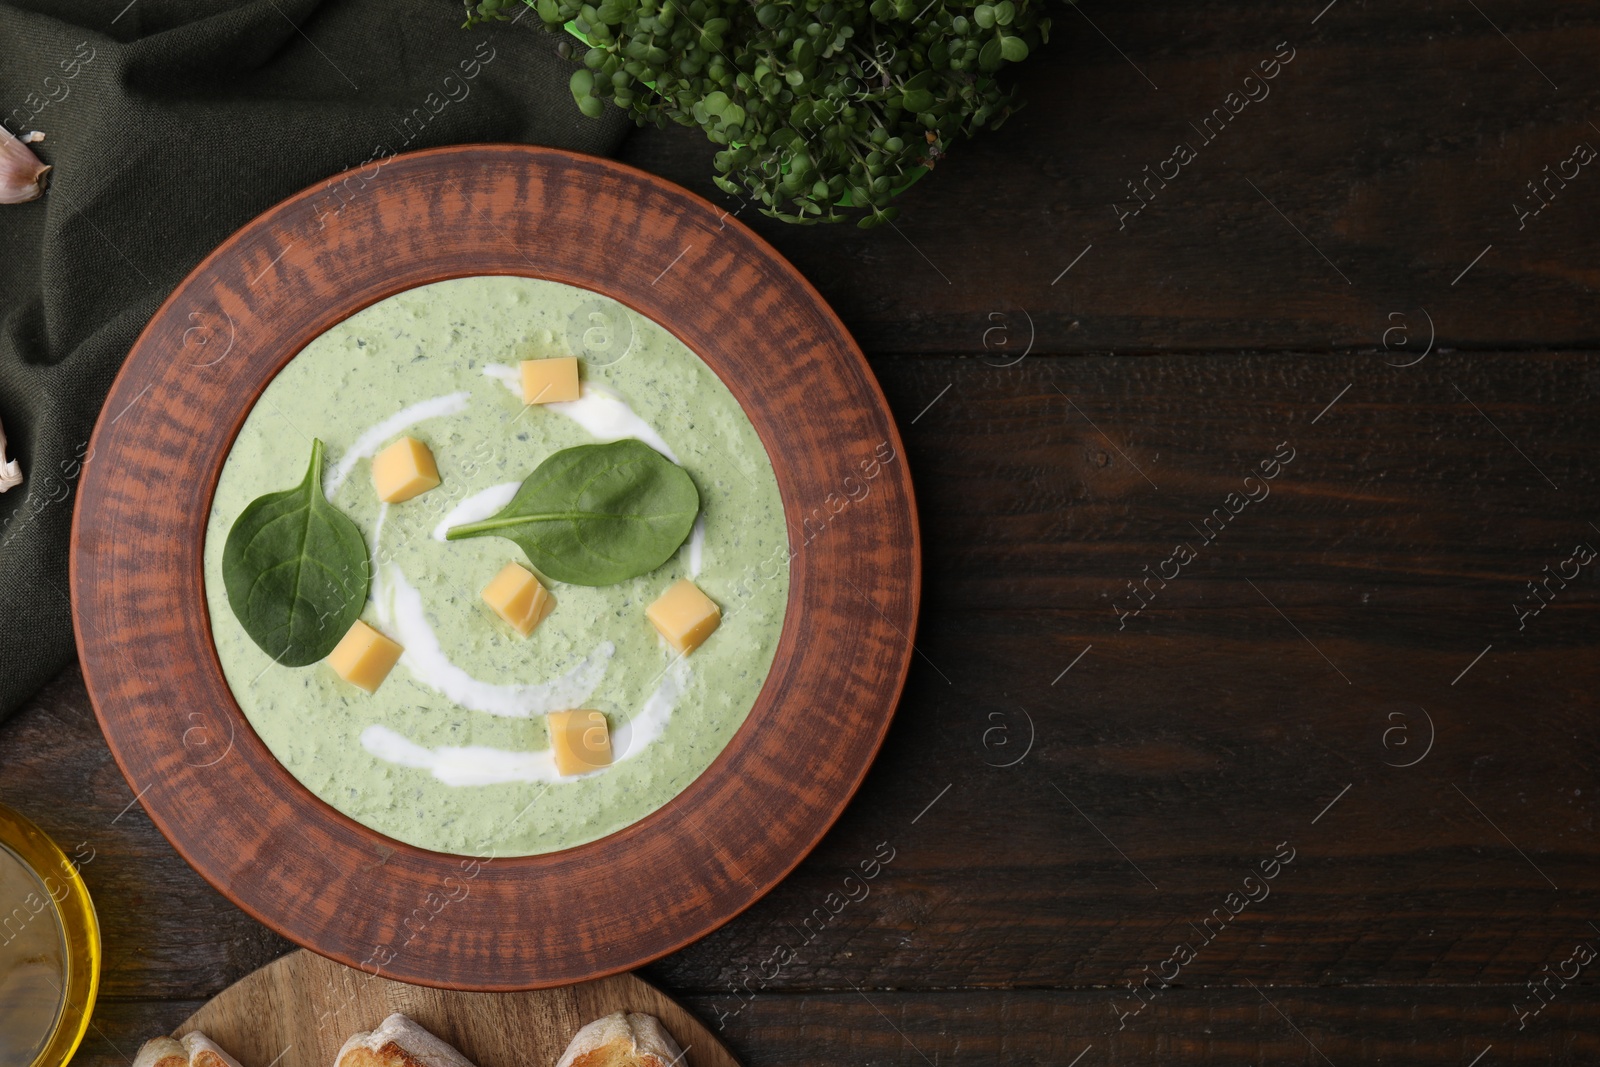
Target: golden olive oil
[(49, 947)]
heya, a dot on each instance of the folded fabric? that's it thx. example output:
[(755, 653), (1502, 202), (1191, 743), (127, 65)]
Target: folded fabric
[(169, 124)]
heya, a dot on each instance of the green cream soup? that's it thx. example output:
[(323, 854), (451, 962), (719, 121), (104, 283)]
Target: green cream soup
[(452, 752)]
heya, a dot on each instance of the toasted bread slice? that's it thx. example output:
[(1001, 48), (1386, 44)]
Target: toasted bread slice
[(204, 1052), (399, 1042), (194, 1050), (625, 1039), (161, 1052)]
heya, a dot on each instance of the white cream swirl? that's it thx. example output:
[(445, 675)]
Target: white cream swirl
[(367, 445), (400, 610), (473, 765)]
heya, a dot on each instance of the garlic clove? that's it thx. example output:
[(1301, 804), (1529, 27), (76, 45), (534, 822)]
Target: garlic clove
[(22, 176), (10, 470)]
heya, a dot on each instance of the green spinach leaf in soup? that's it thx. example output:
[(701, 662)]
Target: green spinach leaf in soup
[(295, 570), (597, 514)]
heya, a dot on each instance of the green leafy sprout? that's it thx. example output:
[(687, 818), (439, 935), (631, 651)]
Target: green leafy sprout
[(827, 109)]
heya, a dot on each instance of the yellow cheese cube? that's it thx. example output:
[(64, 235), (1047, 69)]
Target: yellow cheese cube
[(518, 598), (580, 741), (364, 657), (547, 381), (684, 615), (403, 470)]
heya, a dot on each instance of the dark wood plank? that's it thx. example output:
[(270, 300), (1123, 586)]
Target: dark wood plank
[(1236, 1025), (1231, 1025), (1396, 141)]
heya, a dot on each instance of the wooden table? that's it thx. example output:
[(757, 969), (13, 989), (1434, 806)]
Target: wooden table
[(1382, 665)]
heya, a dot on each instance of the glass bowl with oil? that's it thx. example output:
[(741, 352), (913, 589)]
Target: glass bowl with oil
[(49, 947)]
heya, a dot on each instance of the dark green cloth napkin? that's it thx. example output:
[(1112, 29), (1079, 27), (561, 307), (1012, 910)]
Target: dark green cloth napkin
[(170, 124)]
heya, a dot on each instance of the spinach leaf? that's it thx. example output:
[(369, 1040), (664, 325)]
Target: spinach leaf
[(295, 568), (597, 514)]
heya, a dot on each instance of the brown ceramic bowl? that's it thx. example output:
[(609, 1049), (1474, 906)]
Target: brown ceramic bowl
[(144, 632)]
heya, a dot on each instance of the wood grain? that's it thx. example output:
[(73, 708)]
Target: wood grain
[(1225, 1025), (318, 877), (298, 1010)]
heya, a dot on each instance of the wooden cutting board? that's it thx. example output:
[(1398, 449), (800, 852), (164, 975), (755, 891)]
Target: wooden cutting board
[(298, 1010)]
